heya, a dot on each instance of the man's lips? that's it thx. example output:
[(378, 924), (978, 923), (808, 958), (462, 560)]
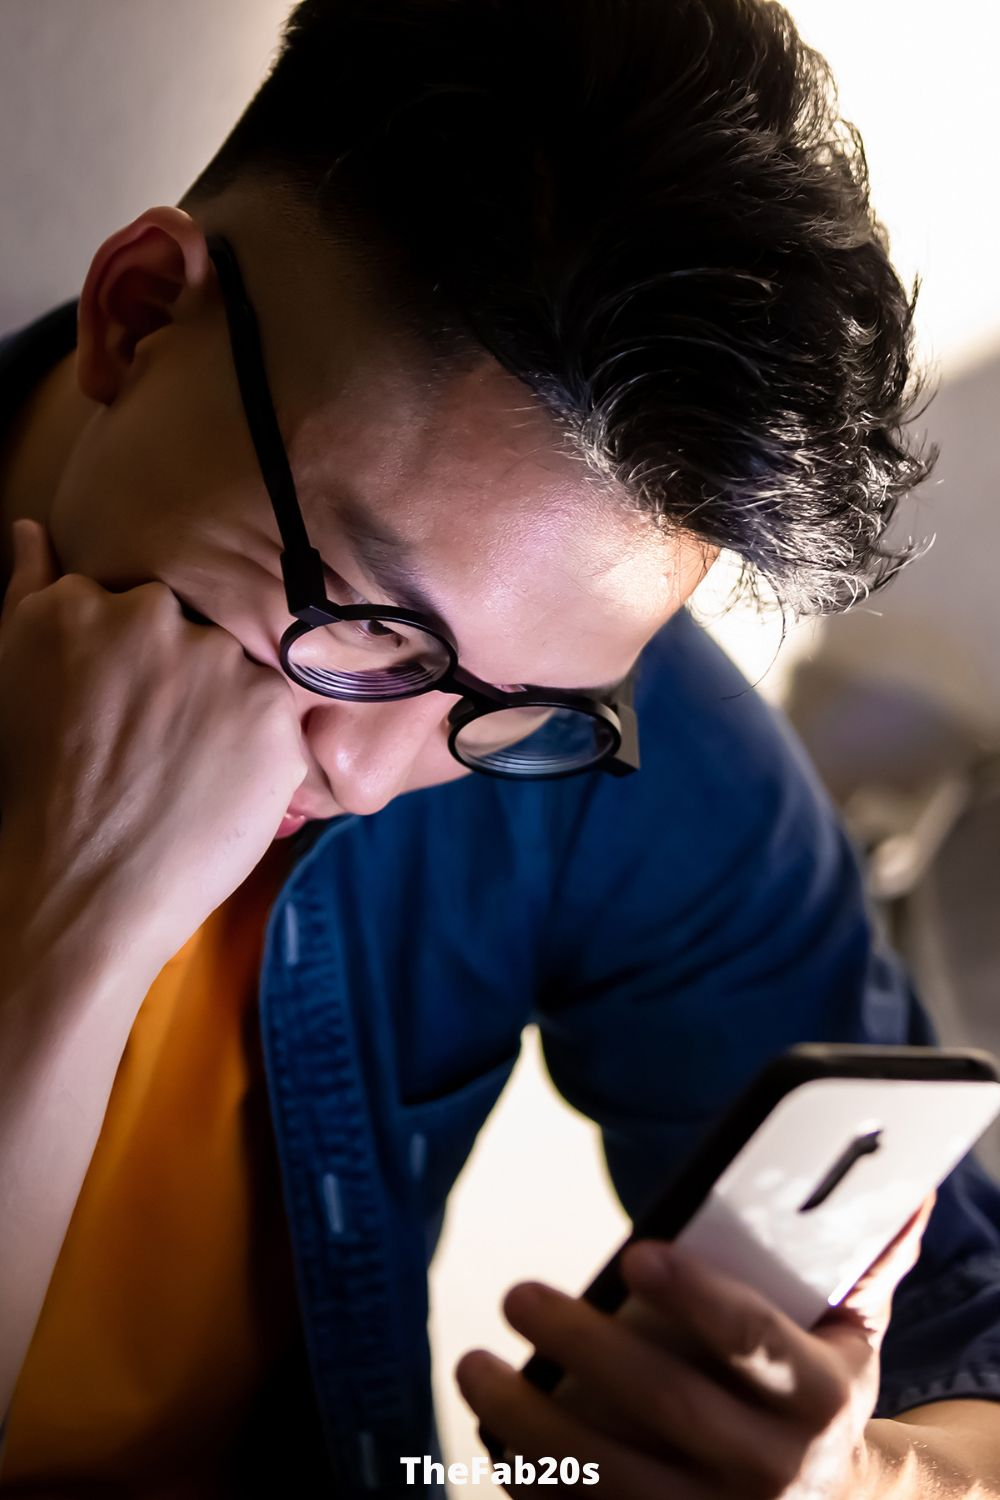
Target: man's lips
[(296, 817), (290, 825), (303, 806), (305, 813)]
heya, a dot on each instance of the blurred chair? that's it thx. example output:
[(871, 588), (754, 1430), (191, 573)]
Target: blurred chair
[(919, 789)]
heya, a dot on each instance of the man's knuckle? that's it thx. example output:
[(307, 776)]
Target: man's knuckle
[(70, 602), (154, 594), (30, 608), (665, 1412), (72, 587), (756, 1333), (569, 1341), (672, 1411), (155, 603)]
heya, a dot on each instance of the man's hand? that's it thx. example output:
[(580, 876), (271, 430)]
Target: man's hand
[(145, 761), (707, 1391), (145, 764)]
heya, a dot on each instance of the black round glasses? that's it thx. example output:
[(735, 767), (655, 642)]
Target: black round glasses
[(367, 654)]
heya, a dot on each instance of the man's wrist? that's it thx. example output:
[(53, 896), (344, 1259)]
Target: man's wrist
[(63, 945), (890, 1466), (948, 1450)]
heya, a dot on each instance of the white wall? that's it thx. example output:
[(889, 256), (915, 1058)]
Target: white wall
[(106, 108)]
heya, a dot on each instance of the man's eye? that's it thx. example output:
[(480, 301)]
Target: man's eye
[(374, 629)]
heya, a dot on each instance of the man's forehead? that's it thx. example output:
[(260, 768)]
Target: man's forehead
[(416, 439), (412, 459), (459, 497)]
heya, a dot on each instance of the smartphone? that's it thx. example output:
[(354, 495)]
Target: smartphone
[(812, 1172)]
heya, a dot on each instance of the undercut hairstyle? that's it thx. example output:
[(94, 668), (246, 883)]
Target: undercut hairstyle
[(652, 214)]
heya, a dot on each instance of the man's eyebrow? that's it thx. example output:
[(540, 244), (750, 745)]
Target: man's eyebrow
[(386, 558)]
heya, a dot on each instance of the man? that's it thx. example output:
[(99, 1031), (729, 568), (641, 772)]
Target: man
[(553, 301)]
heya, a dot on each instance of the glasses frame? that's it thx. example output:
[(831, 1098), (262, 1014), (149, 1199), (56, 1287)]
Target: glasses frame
[(305, 585)]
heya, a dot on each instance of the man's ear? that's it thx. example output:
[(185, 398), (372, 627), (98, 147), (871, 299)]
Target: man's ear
[(137, 281)]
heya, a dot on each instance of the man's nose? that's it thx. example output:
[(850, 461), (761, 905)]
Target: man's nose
[(368, 751)]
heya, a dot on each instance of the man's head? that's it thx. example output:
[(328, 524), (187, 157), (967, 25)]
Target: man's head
[(563, 294), (650, 212)]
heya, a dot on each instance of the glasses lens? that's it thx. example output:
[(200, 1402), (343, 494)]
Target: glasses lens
[(362, 659), (534, 741)]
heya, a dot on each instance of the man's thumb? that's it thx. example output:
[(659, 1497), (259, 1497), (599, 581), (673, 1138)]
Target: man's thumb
[(34, 567), (870, 1300)]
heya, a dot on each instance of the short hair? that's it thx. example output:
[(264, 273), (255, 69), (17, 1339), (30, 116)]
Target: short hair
[(652, 214)]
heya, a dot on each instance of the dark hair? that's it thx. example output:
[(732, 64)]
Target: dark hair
[(651, 213)]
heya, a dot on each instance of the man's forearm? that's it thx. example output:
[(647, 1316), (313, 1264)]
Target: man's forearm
[(948, 1450), (67, 1000)]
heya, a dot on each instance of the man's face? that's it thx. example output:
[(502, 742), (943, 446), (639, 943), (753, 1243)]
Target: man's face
[(456, 488)]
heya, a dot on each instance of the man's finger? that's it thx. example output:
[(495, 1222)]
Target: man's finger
[(902, 1252), (529, 1423), (34, 565), (743, 1332), (870, 1299), (636, 1391)]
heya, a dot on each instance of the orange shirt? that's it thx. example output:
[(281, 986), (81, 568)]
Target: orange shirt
[(172, 1294)]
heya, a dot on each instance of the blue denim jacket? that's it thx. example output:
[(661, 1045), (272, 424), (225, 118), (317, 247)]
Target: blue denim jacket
[(668, 933)]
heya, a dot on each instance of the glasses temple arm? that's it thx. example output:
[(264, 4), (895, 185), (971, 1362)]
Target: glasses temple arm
[(301, 564)]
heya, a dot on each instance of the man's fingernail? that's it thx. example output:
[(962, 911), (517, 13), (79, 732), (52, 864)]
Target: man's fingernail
[(475, 1364), (651, 1259), (527, 1295)]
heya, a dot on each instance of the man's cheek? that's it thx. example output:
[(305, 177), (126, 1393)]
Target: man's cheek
[(436, 767)]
